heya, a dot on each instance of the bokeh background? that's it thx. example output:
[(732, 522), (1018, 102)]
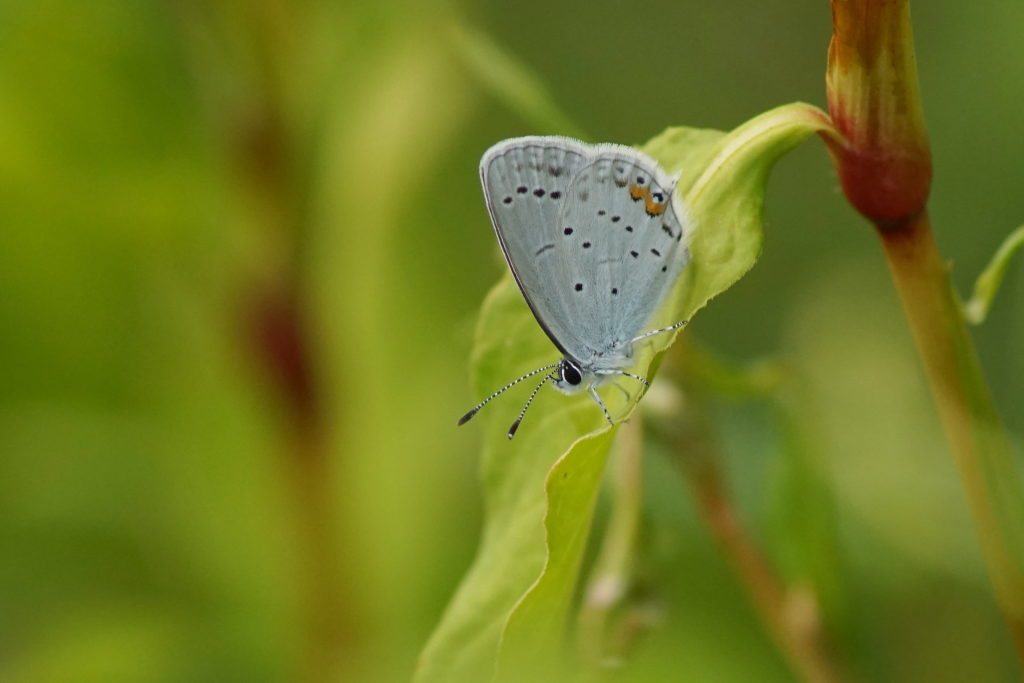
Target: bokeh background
[(241, 249)]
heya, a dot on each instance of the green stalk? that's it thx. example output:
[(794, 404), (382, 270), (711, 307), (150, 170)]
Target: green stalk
[(598, 640), (979, 442), (885, 167)]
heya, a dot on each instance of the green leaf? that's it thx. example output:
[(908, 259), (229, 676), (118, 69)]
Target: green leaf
[(507, 618), (985, 288)]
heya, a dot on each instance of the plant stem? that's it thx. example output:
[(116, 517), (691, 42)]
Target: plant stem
[(791, 615), (612, 576), (995, 488)]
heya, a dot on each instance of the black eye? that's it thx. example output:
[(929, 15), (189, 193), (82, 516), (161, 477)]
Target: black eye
[(570, 374)]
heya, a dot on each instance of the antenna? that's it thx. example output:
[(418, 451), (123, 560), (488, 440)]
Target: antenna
[(468, 416), (515, 425)]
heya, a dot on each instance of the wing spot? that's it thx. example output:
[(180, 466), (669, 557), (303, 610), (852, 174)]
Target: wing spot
[(567, 231), (556, 195), (616, 219), (507, 200), (601, 212), (543, 249), (586, 245), (584, 196), (634, 254), (629, 228), (521, 189), (655, 252), (615, 290), (664, 268), (667, 229), (578, 287), (640, 180), (538, 192)]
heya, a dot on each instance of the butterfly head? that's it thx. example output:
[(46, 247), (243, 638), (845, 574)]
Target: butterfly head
[(569, 376)]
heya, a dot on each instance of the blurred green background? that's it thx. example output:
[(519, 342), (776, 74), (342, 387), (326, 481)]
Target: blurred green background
[(241, 249)]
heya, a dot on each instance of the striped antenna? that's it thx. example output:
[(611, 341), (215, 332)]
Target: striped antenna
[(468, 416), (522, 413)]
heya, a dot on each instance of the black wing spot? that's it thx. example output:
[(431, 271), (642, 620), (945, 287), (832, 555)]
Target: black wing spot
[(567, 231), (640, 180), (578, 287), (538, 192), (664, 268), (556, 171), (655, 252), (507, 200), (584, 196), (521, 189), (586, 245), (615, 290), (601, 212), (634, 254), (658, 197), (629, 228), (556, 195), (667, 230), (543, 249), (616, 219)]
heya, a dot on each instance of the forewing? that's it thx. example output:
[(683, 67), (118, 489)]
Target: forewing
[(525, 183)]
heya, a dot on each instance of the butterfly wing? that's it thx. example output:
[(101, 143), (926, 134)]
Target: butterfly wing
[(525, 182), (626, 253), (591, 235)]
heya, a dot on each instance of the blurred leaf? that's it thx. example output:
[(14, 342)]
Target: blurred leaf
[(987, 284), (723, 184), (540, 489), (512, 82)]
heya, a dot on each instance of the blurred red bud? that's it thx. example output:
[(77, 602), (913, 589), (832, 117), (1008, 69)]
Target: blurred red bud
[(885, 164)]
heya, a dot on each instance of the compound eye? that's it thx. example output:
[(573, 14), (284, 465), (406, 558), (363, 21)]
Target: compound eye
[(570, 374)]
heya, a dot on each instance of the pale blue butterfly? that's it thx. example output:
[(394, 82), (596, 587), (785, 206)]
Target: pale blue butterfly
[(595, 241)]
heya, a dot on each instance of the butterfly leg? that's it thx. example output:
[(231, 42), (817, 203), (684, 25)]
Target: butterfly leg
[(638, 378), (604, 409), (645, 335)]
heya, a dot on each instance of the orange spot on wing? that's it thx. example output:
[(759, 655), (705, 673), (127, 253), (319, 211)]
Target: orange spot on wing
[(653, 207), (637, 192)]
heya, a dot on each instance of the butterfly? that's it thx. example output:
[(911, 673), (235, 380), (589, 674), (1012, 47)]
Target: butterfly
[(595, 241)]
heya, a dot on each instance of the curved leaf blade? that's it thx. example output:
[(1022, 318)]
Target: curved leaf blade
[(508, 616)]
